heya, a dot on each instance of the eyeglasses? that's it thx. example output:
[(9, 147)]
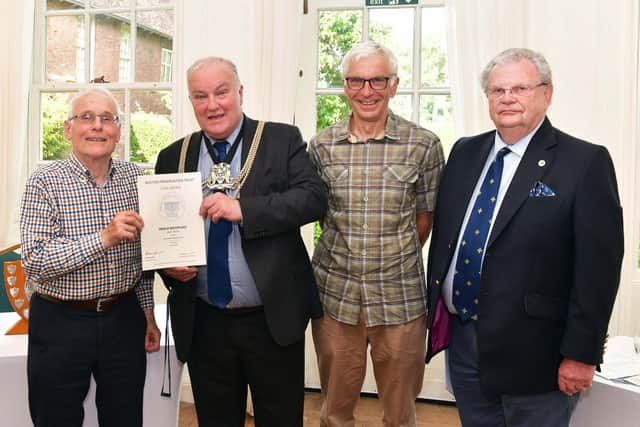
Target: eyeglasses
[(375, 83), (520, 91), (88, 118)]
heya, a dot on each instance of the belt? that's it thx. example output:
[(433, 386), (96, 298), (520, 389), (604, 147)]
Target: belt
[(97, 304), (231, 310)]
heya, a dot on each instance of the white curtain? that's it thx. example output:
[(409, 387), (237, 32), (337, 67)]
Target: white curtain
[(16, 28), (260, 36), (592, 47)]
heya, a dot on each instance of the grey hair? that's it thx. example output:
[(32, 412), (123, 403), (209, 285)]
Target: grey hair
[(512, 55), (367, 49), (97, 90), (203, 62)]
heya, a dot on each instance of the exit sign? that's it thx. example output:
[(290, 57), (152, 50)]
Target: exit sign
[(389, 2)]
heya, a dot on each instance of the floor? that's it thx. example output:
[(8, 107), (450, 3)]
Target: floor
[(368, 413)]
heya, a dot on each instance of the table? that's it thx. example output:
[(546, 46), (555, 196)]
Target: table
[(14, 410), (607, 402)]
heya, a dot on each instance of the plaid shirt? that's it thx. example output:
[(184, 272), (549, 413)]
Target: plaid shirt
[(369, 256), (62, 216)]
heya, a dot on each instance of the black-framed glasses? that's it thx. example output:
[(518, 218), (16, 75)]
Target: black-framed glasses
[(375, 83), (89, 116), (519, 91)]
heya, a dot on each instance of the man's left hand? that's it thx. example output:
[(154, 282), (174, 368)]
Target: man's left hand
[(219, 206), (574, 376), (152, 336)]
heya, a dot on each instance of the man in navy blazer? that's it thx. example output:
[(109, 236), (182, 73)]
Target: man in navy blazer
[(256, 337), (549, 266)]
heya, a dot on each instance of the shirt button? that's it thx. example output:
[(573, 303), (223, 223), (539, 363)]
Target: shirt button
[(365, 226), (364, 252), (365, 198)]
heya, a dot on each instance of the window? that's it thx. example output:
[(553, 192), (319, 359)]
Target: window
[(125, 45), (415, 33), (165, 65), (124, 70), (417, 36)]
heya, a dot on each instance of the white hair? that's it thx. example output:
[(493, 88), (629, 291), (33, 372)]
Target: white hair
[(93, 90), (367, 49), (512, 55)]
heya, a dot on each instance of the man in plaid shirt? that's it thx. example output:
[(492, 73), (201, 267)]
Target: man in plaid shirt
[(382, 172), (92, 310)]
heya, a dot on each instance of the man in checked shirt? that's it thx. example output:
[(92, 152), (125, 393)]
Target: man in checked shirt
[(382, 172), (92, 310)]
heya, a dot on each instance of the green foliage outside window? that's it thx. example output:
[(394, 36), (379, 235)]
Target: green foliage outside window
[(54, 112), (149, 132)]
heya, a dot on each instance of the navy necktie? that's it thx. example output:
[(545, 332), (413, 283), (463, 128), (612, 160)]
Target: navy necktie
[(466, 280), (218, 278)]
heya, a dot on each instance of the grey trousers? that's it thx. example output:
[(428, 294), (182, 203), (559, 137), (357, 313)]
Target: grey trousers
[(551, 409)]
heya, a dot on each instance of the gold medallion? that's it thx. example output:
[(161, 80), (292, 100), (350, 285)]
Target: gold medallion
[(220, 179)]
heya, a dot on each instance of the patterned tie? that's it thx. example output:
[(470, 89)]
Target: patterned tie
[(466, 281), (218, 278)]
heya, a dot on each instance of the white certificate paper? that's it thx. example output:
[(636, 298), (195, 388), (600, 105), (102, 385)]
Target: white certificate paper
[(173, 232)]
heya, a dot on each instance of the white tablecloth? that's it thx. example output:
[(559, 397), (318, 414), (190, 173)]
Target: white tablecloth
[(14, 410), (609, 403)]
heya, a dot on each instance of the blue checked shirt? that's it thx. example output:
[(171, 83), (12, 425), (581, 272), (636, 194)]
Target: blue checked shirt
[(62, 216)]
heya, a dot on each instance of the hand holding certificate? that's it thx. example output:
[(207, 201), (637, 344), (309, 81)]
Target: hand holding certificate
[(173, 233)]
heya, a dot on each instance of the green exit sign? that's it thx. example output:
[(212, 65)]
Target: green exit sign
[(389, 2)]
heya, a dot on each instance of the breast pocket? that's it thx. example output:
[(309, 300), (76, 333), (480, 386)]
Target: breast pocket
[(337, 177), (399, 185)]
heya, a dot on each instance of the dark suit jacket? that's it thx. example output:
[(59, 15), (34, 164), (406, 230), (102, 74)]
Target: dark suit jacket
[(552, 264), (282, 193)]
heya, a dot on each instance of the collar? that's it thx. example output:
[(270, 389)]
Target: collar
[(391, 133), (78, 168), (519, 147)]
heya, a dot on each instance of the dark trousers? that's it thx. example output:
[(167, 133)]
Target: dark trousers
[(552, 409), (68, 345), (232, 349)]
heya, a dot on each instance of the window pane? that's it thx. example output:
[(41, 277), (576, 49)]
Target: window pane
[(65, 49), (331, 109), (61, 4), (111, 48), (394, 28), (104, 4), (150, 127), (401, 105), (338, 32), (436, 114), (434, 47), (54, 109), (154, 33)]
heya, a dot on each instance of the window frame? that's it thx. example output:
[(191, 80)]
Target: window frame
[(415, 90), (40, 86), (166, 66)]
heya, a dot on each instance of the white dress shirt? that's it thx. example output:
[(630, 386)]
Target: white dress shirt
[(511, 162)]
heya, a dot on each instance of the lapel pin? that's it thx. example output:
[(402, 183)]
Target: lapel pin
[(541, 163)]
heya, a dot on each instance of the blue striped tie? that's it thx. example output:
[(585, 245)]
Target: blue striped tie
[(218, 278), (466, 280)]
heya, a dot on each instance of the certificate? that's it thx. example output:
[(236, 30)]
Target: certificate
[(173, 232)]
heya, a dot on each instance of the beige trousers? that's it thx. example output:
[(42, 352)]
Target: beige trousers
[(397, 355)]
